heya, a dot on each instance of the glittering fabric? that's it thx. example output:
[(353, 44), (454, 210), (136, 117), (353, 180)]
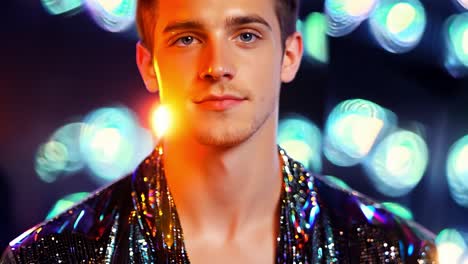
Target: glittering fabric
[(135, 221)]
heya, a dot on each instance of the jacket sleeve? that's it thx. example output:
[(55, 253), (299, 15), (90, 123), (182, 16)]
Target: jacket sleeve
[(7, 257)]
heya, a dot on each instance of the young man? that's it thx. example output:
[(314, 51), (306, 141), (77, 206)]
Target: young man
[(218, 66)]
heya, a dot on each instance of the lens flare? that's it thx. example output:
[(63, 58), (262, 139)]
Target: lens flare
[(398, 163), (351, 130), (301, 139), (398, 26), (66, 203), (160, 120), (450, 246), (457, 171), (346, 15), (113, 15), (315, 37)]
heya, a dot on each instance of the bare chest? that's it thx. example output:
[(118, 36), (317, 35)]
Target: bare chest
[(243, 254)]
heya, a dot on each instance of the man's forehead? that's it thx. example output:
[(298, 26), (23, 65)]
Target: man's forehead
[(213, 11)]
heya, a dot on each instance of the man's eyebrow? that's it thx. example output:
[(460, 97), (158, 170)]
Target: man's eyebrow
[(248, 19), (229, 23), (183, 24)]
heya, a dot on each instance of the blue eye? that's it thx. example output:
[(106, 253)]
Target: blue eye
[(185, 41), (247, 37)]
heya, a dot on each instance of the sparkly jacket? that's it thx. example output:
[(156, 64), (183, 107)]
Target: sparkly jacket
[(135, 220)]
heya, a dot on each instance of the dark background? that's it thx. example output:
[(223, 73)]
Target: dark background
[(55, 69)]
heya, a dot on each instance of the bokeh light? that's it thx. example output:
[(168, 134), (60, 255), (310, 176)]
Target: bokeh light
[(69, 136), (346, 15), (450, 246), (50, 161), (62, 7), (66, 203), (456, 41), (398, 210), (398, 26), (302, 141), (351, 130), (462, 3), (60, 155), (113, 15), (338, 182), (112, 143), (398, 163), (314, 30), (457, 171), (160, 120)]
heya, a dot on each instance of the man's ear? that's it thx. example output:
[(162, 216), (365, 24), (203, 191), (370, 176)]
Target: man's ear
[(144, 60), (292, 57)]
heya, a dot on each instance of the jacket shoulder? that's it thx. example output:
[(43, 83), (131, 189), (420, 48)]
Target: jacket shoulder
[(79, 230), (367, 225)]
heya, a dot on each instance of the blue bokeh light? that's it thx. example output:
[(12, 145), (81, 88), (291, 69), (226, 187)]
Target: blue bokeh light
[(457, 171), (456, 42), (346, 15), (62, 7), (302, 140), (113, 15), (450, 246), (352, 128), (398, 26), (398, 163), (112, 142)]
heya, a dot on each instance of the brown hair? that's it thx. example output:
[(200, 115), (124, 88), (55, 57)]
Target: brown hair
[(286, 12)]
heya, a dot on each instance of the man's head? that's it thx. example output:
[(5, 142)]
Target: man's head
[(218, 65), (146, 16)]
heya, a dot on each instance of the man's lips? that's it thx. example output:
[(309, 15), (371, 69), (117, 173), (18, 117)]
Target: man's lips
[(219, 98), (219, 102)]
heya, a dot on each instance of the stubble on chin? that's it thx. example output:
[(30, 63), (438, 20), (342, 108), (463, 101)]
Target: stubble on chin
[(229, 135)]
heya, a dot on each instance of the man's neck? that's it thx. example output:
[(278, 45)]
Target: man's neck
[(225, 195)]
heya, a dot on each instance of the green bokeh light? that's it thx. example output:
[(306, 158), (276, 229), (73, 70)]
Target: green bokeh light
[(51, 160), (398, 26), (400, 17), (59, 7), (351, 130), (398, 210), (315, 37), (458, 36), (69, 136), (66, 203), (338, 182), (450, 246), (302, 141), (398, 163), (457, 171), (109, 141)]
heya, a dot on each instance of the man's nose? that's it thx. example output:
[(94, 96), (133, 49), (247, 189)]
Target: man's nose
[(217, 62)]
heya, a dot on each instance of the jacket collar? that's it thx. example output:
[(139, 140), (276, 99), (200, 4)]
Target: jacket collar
[(158, 219)]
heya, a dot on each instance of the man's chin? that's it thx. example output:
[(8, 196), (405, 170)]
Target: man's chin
[(223, 140)]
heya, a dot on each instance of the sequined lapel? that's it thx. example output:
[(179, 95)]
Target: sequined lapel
[(157, 215)]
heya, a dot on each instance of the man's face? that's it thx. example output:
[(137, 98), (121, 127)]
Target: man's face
[(218, 67)]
